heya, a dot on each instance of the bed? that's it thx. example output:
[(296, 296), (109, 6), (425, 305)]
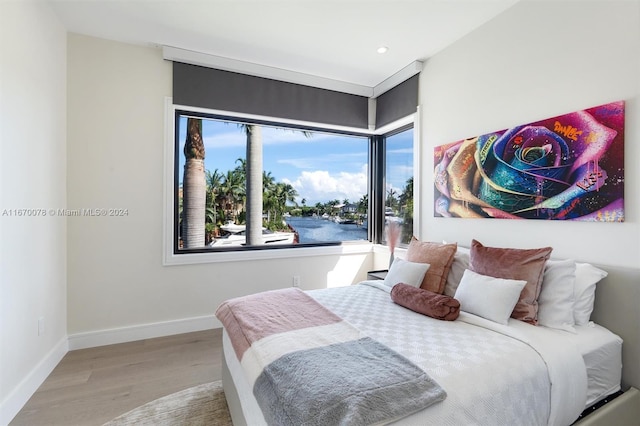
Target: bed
[(490, 372)]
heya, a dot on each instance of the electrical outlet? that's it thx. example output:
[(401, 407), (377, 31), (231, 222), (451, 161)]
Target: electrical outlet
[(296, 280), (40, 326)]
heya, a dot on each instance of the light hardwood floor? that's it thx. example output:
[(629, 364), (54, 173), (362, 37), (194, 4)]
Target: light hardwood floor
[(92, 386)]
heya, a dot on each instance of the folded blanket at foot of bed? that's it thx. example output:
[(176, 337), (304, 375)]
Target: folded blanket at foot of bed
[(308, 366)]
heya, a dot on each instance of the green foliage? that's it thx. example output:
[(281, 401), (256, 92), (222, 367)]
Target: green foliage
[(226, 201)]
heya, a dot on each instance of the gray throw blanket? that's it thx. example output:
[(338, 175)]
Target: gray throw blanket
[(309, 367)]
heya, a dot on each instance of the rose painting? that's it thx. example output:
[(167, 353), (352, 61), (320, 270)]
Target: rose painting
[(569, 167)]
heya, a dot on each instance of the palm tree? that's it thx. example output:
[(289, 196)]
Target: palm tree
[(240, 176), (268, 190), (268, 181), (214, 201), (406, 203), (232, 193), (363, 204), (392, 200), (242, 166), (284, 193), (194, 187), (254, 185)]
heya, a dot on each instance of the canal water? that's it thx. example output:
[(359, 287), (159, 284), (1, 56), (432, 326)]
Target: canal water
[(318, 230)]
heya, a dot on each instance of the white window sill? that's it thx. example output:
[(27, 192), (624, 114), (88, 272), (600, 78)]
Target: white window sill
[(241, 256)]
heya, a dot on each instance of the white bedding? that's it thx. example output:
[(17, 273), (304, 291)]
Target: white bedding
[(602, 353), (490, 378)]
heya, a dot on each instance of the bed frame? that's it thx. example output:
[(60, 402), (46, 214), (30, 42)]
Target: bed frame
[(231, 394), (617, 308)]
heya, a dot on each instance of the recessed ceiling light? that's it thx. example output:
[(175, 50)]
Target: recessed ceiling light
[(382, 49)]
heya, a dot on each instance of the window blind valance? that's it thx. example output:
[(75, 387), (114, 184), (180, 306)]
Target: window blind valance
[(398, 102), (211, 88), (229, 91)]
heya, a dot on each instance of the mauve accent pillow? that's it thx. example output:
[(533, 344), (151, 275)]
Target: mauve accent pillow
[(426, 302), (514, 264), (439, 256)]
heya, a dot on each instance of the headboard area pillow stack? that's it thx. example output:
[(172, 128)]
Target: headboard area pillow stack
[(553, 293), (559, 293), (418, 283)]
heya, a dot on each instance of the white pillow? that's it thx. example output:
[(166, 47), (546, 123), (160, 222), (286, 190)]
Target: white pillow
[(488, 297), (556, 300), (587, 276), (403, 271), (458, 266)]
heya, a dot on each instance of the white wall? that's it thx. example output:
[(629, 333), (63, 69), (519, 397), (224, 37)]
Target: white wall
[(32, 249), (115, 160), (538, 60)]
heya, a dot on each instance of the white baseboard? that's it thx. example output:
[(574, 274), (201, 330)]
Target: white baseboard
[(21, 394), (139, 332)]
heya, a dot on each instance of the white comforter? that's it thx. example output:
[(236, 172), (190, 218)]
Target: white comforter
[(493, 374)]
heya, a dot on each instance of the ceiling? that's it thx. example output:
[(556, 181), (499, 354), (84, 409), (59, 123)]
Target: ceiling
[(332, 39)]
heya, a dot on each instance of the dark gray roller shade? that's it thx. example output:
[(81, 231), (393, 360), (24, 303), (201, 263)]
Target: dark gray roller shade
[(398, 102), (228, 91)]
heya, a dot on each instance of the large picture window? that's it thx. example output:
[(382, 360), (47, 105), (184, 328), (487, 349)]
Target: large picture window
[(313, 184), (262, 164)]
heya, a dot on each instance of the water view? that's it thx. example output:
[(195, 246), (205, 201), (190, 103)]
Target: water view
[(316, 173), (318, 230)]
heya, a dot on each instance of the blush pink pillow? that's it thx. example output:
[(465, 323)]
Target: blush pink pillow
[(439, 256), (514, 264)]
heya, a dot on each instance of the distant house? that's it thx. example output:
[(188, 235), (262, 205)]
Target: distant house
[(349, 208)]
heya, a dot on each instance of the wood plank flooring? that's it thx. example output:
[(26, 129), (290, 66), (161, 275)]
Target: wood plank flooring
[(92, 386)]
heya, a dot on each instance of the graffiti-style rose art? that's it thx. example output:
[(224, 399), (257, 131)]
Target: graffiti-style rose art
[(569, 167)]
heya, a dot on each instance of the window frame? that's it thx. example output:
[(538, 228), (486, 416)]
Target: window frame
[(379, 196), (171, 256)]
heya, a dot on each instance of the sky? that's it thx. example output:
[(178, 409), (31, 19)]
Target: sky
[(321, 167)]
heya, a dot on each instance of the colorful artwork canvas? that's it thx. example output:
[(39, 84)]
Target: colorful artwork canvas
[(569, 167)]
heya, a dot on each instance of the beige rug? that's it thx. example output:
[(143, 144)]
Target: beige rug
[(200, 405)]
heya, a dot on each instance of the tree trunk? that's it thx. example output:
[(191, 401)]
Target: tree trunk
[(194, 187), (254, 185)]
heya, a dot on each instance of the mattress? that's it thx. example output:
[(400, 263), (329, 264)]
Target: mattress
[(446, 361), (601, 351)]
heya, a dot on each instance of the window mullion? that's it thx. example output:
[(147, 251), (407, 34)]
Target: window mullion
[(377, 182)]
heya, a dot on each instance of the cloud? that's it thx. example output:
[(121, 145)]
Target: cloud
[(321, 186), (400, 151)]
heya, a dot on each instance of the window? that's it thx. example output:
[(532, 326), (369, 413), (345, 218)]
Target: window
[(399, 181), (314, 184), (249, 199)]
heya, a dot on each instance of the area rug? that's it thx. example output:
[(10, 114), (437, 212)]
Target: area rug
[(199, 405)]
